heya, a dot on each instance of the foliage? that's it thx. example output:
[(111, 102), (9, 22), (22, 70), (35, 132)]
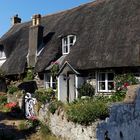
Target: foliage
[(86, 90), (117, 96), (12, 89), (3, 99), (29, 75), (32, 122), (22, 125), (124, 80), (54, 69), (45, 95), (53, 106), (87, 111), (44, 129)]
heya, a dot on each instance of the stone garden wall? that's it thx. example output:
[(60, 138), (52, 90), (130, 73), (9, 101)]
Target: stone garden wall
[(63, 128)]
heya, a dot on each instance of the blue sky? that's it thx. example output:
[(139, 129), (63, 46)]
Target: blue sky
[(26, 8)]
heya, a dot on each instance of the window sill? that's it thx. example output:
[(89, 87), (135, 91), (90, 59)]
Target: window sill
[(2, 58)]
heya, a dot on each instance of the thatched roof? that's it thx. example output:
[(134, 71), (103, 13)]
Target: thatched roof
[(108, 35)]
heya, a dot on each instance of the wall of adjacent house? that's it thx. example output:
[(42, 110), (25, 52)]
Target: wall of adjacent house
[(124, 120)]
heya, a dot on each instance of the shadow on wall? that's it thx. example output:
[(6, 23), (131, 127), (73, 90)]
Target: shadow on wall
[(124, 120)]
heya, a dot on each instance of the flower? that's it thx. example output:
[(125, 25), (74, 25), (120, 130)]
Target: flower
[(126, 84), (10, 105)]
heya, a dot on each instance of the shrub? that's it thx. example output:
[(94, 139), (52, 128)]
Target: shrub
[(87, 111), (43, 95), (22, 125), (54, 69), (3, 99), (124, 80), (12, 89), (86, 90), (29, 75), (53, 106), (44, 129), (118, 96)]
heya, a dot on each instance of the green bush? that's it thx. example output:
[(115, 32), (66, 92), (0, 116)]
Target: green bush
[(29, 75), (117, 96), (12, 89), (22, 125), (87, 111), (124, 80), (86, 90), (44, 129), (53, 106), (44, 95), (3, 99)]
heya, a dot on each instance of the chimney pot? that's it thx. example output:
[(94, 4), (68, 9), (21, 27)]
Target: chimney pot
[(16, 19), (36, 19), (33, 20)]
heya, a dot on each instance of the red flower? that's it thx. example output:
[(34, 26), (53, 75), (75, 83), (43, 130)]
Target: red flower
[(11, 104), (126, 84)]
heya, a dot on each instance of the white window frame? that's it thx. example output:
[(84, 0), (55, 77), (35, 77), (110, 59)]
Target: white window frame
[(106, 82), (2, 55), (68, 44), (49, 81)]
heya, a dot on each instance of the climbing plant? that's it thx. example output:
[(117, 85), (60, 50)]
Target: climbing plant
[(54, 69)]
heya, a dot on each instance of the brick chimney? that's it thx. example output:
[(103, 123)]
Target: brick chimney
[(35, 40), (16, 19)]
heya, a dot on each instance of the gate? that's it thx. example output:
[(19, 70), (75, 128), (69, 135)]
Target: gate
[(29, 105)]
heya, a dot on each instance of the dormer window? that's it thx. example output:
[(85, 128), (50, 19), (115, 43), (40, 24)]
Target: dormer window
[(67, 42)]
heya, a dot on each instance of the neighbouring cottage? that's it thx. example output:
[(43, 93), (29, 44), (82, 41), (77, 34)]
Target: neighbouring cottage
[(91, 43)]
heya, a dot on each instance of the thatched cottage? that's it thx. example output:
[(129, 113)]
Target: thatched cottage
[(92, 42)]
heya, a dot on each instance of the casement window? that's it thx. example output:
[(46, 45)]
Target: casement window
[(105, 82), (50, 82), (2, 54), (67, 42)]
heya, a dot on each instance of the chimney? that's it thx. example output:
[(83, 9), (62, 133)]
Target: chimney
[(35, 40), (16, 19)]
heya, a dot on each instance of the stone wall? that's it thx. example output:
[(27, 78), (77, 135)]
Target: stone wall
[(124, 120), (65, 129)]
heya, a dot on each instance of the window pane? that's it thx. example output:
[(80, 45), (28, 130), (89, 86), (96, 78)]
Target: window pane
[(101, 85), (65, 49), (54, 85), (71, 39), (110, 85), (65, 41), (47, 78), (110, 76), (101, 76)]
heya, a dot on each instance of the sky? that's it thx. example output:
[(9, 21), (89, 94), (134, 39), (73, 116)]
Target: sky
[(26, 8)]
